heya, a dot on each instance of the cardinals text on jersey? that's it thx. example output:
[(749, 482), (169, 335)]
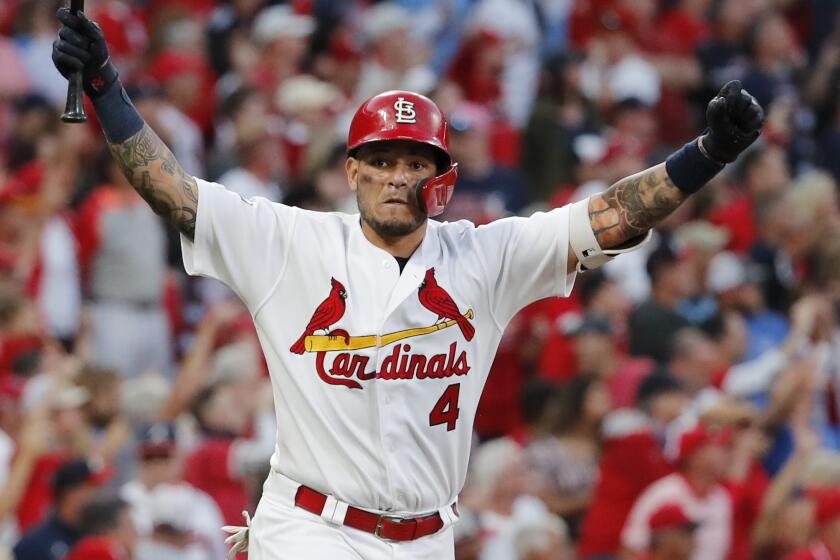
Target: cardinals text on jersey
[(400, 363)]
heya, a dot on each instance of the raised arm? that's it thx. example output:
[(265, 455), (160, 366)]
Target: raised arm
[(632, 206), (143, 157), (154, 172), (620, 217)]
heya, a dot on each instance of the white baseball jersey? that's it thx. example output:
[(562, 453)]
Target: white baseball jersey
[(376, 374)]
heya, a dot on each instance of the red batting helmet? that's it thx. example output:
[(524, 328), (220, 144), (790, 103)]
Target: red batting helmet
[(403, 115)]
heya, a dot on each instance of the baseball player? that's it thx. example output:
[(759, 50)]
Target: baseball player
[(379, 328)]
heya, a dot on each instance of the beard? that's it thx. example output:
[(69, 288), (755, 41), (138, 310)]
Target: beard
[(391, 228), (394, 227)]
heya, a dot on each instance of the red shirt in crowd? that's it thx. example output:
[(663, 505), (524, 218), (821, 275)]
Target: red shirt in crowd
[(37, 497), (817, 551), (747, 497), (737, 219), (627, 466), (97, 548), (210, 468)]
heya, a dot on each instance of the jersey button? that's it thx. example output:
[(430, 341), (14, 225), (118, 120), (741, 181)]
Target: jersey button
[(386, 263)]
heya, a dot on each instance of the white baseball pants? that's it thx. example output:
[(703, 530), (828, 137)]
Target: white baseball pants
[(281, 531)]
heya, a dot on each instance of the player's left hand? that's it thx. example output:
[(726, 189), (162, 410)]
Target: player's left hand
[(734, 118), (238, 539)]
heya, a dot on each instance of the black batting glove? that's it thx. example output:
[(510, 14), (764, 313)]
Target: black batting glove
[(734, 118), (81, 47)]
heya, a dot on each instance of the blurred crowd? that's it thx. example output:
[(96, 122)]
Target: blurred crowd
[(684, 403)]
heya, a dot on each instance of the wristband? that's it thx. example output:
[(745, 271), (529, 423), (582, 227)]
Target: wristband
[(102, 80), (689, 168), (116, 113)]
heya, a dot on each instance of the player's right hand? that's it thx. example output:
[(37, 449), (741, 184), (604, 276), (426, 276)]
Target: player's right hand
[(81, 47)]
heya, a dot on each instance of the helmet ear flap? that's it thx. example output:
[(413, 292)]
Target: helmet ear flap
[(435, 193)]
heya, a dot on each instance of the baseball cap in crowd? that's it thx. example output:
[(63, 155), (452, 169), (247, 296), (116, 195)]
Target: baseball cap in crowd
[(827, 504), (670, 516), (174, 64), (664, 256), (156, 441), (78, 472), (590, 323), (96, 548), (301, 93), (589, 148), (702, 236), (469, 116), (728, 271), (385, 18), (700, 436), (281, 21), (169, 507), (660, 382)]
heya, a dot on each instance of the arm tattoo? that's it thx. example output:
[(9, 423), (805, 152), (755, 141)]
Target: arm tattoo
[(154, 173), (632, 206)]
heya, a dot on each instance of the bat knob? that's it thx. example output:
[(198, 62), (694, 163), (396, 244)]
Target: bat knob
[(74, 117)]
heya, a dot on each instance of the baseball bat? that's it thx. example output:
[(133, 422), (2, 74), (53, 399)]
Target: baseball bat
[(74, 109)]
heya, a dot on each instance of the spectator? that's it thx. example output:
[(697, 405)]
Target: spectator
[(486, 191), (478, 68), (631, 459), (70, 441), (172, 535), (73, 485), (722, 56), (784, 523), (736, 285), (281, 36), (110, 531), (125, 279), (467, 536), (224, 460), (309, 106), (763, 173), (655, 322), (568, 457), (161, 465), (615, 69), (500, 478), (103, 412), (34, 31), (827, 519), (540, 535), (696, 487), (662, 397), (596, 352), (561, 114), (671, 534), (257, 173), (777, 59), (395, 60)]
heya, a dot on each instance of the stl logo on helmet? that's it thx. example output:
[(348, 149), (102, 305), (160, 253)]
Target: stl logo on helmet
[(405, 111)]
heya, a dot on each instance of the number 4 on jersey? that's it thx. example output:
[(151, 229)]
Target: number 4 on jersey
[(446, 410)]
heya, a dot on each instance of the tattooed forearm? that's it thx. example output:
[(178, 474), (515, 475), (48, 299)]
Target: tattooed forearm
[(632, 206), (156, 175)]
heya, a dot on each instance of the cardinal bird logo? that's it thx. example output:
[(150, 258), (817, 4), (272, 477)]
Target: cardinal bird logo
[(328, 313), (438, 301)]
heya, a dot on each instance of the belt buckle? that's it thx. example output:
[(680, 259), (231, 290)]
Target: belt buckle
[(380, 519)]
